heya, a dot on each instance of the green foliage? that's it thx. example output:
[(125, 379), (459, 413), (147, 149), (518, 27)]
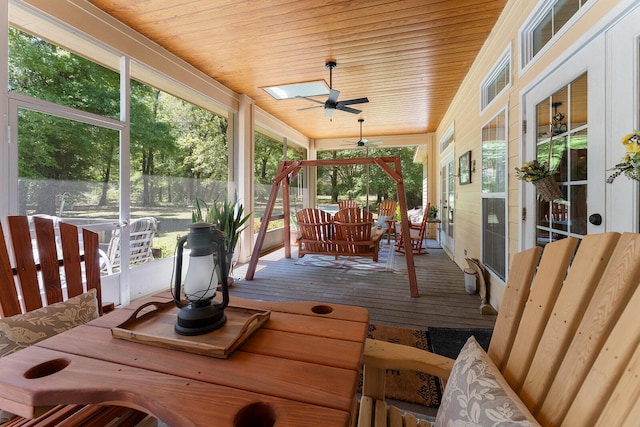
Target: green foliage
[(228, 217), (170, 138), (350, 181), (433, 212), (533, 171)]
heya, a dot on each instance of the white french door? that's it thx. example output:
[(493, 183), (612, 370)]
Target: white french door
[(570, 99), (623, 100), (447, 201)]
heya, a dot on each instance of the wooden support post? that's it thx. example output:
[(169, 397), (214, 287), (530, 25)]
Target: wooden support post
[(287, 218), (253, 263)]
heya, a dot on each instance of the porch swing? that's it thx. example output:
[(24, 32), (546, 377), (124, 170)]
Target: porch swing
[(288, 169)]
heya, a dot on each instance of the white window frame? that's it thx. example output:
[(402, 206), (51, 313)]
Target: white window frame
[(502, 195), (448, 138), (525, 34), (496, 71)]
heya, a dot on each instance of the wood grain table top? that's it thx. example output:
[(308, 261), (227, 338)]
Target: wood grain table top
[(301, 368)]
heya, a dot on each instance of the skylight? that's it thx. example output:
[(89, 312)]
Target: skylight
[(294, 90)]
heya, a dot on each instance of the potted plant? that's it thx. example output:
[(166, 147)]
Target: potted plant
[(226, 216), (542, 177), (433, 212)]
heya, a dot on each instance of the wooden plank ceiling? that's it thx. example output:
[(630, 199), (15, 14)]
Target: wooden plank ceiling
[(408, 57)]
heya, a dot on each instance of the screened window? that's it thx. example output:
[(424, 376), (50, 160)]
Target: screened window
[(498, 79), (494, 193), (547, 21), (69, 144), (447, 140), (45, 71), (269, 151)]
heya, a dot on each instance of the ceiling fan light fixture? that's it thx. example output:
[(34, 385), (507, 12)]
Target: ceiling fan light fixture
[(332, 102), (297, 90)]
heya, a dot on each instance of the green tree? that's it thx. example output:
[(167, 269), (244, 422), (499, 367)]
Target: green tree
[(352, 181), (50, 147)]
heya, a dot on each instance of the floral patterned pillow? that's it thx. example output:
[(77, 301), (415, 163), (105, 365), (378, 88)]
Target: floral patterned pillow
[(478, 395), (22, 330)]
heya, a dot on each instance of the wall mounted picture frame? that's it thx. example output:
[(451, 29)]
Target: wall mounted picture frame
[(464, 168)]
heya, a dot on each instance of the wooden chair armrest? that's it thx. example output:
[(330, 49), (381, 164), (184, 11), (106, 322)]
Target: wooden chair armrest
[(386, 355)]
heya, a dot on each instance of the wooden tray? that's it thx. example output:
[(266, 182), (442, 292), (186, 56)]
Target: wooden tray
[(156, 327)]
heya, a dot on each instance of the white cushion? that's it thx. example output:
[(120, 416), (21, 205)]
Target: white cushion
[(478, 395), (382, 221)]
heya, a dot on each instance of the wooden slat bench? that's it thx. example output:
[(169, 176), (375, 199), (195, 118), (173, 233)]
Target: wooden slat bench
[(348, 233), (567, 337)]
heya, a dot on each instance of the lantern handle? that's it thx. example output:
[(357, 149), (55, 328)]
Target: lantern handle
[(178, 279), (222, 260)]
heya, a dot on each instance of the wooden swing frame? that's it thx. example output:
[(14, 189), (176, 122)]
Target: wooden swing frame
[(289, 169)]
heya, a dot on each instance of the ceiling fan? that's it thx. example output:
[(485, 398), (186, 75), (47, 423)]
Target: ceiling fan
[(332, 102), (363, 142)]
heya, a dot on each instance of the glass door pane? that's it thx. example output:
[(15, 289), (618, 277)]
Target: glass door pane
[(562, 143)]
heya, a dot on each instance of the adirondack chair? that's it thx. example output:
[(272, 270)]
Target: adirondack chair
[(344, 204), (386, 212), (316, 231), (71, 275), (353, 228), (416, 234), (142, 231), (566, 343)]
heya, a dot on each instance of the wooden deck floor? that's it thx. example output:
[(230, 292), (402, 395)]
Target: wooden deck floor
[(443, 301)]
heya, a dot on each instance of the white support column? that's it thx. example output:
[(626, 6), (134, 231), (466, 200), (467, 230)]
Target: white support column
[(244, 144), (125, 176), (5, 158)]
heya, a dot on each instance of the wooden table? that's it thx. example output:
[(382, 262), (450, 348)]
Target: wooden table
[(301, 368)]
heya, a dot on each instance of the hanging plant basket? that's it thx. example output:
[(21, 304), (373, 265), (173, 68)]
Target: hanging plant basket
[(548, 188)]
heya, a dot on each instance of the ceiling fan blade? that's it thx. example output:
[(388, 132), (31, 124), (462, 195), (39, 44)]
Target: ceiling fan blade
[(333, 96), (355, 101), (347, 109), (311, 99), (310, 108), (374, 143)]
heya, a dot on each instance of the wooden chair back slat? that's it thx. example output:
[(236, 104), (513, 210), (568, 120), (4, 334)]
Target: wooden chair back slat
[(387, 208), (345, 204), (619, 281), (586, 270), (92, 264), (546, 286), (353, 230), (48, 259), (632, 418), (9, 303), (623, 404), (71, 258), (523, 267), (608, 367), (353, 215), (49, 262), (316, 230), (24, 262)]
